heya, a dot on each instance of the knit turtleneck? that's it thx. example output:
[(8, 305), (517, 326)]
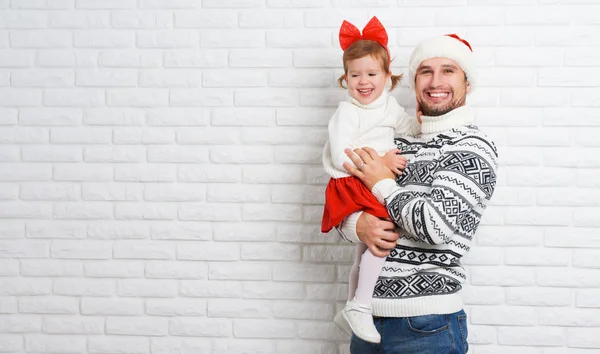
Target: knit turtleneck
[(456, 117), (378, 103), (356, 125)]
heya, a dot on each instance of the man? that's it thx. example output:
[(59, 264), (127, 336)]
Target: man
[(437, 204)]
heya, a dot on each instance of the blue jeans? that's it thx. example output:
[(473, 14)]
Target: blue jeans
[(429, 334)]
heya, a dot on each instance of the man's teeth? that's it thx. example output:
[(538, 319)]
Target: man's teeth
[(438, 95)]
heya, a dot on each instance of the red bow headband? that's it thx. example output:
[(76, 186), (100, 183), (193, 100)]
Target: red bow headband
[(373, 31)]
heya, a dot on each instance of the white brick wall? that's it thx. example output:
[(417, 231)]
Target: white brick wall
[(161, 186)]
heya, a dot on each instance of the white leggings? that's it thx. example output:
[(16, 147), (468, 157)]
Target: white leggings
[(364, 274)]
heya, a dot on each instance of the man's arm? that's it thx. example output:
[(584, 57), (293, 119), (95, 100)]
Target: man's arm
[(375, 233), (347, 229), (462, 186)]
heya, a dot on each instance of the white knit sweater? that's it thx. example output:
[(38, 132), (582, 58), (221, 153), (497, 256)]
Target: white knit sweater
[(354, 125), (437, 204)]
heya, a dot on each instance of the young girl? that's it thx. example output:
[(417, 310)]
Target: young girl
[(370, 118)]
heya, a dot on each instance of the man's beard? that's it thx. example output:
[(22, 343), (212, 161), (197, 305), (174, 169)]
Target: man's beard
[(435, 111)]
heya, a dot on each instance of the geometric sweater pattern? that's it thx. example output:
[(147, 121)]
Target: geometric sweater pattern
[(437, 203)]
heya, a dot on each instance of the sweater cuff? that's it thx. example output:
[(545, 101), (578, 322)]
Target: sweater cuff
[(348, 229), (383, 189)]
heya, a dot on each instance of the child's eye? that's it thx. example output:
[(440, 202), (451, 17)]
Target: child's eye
[(372, 74), (353, 75)]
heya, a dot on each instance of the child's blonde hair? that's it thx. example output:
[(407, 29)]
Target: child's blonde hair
[(362, 48)]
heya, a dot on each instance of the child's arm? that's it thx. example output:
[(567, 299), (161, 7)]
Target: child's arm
[(406, 124), (343, 129)]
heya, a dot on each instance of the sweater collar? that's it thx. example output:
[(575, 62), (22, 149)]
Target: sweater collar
[(378, 103), (456, 117)]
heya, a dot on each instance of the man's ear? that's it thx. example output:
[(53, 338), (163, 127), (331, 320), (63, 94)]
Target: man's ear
[(468, 87)]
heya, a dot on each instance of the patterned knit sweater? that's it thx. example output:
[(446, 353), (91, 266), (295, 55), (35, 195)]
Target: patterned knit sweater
[(437, 204)]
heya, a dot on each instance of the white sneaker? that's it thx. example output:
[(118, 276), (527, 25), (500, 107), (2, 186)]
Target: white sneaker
[(360, 320), (342, 324)]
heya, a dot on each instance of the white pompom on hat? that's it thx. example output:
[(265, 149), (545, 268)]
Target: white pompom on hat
[(448, 46)]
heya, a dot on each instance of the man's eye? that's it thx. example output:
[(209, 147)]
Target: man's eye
[(448, 71)]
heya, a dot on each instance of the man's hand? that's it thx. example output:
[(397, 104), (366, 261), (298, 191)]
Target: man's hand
[(369, 166), (394, 162), (377, 234)]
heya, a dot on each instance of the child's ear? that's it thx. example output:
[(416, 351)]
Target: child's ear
[(468, 87)]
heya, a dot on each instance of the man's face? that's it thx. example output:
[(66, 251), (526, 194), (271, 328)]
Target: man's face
[(440, 86), (366, 79)]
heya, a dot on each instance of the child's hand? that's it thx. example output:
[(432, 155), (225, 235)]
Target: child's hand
[(396, 163)]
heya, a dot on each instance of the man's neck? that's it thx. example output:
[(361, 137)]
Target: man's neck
[(456, 117)]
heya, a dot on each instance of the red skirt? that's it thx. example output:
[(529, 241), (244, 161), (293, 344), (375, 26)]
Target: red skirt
[(345, 196)]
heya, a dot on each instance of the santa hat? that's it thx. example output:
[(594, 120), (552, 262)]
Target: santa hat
[(448, 46)]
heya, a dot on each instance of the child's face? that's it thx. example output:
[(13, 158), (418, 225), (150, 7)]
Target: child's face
[(366, 79)]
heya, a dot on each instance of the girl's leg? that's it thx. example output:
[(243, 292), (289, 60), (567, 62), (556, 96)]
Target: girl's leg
[(339, 320), (370, 268), (353, 278), (358, 312)]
